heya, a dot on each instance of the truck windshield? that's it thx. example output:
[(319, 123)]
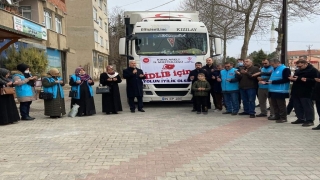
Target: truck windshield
[(171, 43)]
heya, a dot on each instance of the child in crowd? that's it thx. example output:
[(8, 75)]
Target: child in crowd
[(201, 89)]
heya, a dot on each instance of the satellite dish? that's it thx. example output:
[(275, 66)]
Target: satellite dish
[(9, 2)]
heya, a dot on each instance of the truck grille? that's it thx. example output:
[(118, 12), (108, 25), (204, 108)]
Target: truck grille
[(171, 85), (171, 93)]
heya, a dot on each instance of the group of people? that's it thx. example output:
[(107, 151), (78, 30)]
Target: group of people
[(81, 92), (230, 85)]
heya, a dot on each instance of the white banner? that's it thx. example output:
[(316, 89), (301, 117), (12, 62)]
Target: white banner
[(167, 69)]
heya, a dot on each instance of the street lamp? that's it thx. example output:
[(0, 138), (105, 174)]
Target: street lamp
[(284, 32)]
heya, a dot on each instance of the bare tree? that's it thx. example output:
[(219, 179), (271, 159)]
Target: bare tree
[(116, 29), (219, 20)]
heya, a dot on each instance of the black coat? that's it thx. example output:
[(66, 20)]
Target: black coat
[(302, 89), (195, 73), (316, 91), (216, 85), (209, 70), (111, 102), (8, 111), (134, 82)]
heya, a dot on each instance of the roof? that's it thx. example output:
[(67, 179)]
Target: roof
[(9, 33), (304, 52)]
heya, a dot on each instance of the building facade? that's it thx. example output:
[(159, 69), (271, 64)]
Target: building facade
[(46, 21), (87, 31)]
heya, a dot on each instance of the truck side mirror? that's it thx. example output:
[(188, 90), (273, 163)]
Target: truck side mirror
[(122, 47), (217, 46)]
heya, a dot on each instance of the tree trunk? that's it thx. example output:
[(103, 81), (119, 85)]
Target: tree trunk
[(224, 46), (244, 49)]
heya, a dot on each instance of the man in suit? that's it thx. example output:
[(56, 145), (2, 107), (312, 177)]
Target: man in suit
[(134, 77)]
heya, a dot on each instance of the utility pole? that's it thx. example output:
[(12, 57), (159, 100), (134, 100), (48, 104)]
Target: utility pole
[(284, 29), (309, 52)]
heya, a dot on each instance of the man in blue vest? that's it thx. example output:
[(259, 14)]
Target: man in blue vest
[(230, 88), (263, 92), (279, 85)]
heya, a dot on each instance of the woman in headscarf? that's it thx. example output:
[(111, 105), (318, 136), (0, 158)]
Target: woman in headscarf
[(8, 111), (25, 91), (111, 102), (55, 108), (82, 83)]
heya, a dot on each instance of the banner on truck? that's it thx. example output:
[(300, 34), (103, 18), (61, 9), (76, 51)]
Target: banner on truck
[(167, 69)]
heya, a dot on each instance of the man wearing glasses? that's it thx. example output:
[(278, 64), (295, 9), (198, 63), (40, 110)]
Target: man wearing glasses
[(263, 92), (303, 84)]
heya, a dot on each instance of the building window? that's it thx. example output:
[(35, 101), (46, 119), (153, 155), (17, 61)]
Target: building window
[(94, 14), (100, 22), (105, 9), (25, 11), (106, 27), (58, 25), (96, 36), (47, 19), (100, 4), (101, 41)]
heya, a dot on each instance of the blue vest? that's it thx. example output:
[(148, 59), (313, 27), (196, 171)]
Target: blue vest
[(77, 88), (54, 89), (277, 75), (226, 85), (24, 90), (265, 70)]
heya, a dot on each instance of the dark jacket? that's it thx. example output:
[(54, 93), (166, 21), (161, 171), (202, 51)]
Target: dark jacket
[(316, 91), (195, 73), (302, 89), (201, 84), (216, 86), (209, 70), (247, 81), (134, 82)]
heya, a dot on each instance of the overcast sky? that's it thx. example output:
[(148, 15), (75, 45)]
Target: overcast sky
[(300, 34)]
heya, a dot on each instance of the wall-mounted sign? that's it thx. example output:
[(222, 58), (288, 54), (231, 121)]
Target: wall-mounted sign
[(29, 28)]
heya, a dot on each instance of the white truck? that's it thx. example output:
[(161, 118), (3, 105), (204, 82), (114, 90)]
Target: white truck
[(166, 46)]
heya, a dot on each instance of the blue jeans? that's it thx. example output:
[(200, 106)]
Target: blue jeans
[(248, 97), (231, 100)]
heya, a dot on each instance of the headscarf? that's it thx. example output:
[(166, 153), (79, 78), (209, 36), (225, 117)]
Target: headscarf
[(84, 77), (3, 73), (113, 74), (22, 67), (54, 72)]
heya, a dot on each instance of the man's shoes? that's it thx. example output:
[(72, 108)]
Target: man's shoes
[(27, 119), (234, 113), (252, 116), (308, 123), (226, 113), (273, 118), (133, 111), (141, 110), (114, 112), (244, 113), (281, 121), (54, 117), (316, 128), (298, 121), (32, 117), (205, 113), (193, 110), (261, 115), (198, 112)]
